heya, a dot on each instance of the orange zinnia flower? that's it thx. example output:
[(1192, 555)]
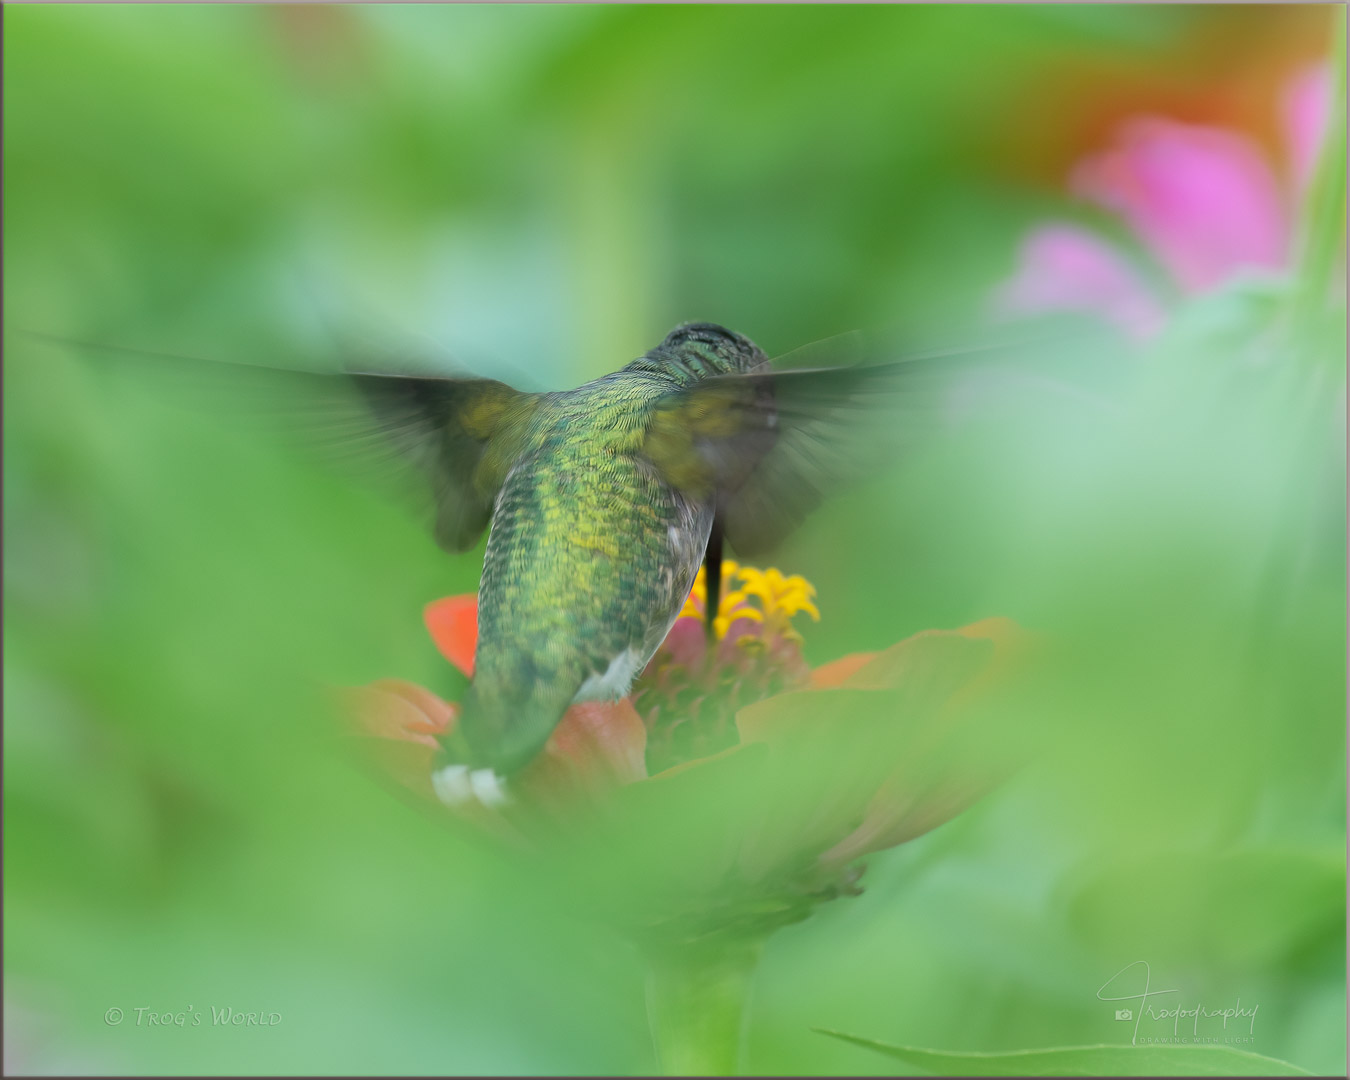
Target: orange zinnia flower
[(860, 754), (733, 791)]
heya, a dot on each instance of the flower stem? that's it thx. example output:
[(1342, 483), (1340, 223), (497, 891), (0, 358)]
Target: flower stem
[(697, 1007), (1323, 220)]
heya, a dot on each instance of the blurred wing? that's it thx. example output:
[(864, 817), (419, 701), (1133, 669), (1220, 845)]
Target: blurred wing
[(457, 433), (444, 442), (773, 446)]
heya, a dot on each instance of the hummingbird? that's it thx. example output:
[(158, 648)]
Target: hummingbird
[(600, 502)]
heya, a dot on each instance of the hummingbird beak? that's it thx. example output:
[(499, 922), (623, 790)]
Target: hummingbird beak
[(712, 565)]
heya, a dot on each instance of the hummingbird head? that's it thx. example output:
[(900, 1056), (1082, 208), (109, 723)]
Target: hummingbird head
[(695, 351)]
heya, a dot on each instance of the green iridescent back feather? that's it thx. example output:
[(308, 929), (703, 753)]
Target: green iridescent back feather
[(591, 552)]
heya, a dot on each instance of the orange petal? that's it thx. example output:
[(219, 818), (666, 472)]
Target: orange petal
[(598, 746), (881, 756), (397, 710), (902, 810), (947, 772), (837, 672), (436, 716), (827, 752), (1015, 648), (999, 628), (909, 662), (453, 623), (402, 721)]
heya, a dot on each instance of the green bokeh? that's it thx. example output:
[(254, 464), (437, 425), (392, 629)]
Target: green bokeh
[(539, 194)]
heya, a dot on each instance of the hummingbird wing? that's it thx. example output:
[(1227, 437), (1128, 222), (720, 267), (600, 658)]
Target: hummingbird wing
[(458, 433), (770, 446), (438, 440)]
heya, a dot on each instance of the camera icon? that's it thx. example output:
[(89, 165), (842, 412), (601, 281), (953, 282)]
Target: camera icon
[(1124, 1014)]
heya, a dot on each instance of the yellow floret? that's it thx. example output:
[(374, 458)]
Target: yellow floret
[(779, 595), (779, 598)]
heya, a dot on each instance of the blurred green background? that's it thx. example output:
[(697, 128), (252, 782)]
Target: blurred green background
[(540, 193)]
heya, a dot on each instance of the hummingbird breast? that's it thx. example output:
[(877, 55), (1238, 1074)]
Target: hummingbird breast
[(589, 560)]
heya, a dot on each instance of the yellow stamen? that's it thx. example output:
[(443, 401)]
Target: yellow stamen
[(693, 604), (779, 599), (780, 596), (723, 622)]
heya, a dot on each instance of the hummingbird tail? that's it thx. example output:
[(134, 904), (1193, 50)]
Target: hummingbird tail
[(502, 727)]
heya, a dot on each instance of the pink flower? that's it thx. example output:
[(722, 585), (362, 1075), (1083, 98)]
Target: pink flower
[(1305, 115), (1068, 268), (1203, 201)]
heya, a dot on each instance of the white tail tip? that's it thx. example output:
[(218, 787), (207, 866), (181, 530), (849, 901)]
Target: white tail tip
[(456, 785)]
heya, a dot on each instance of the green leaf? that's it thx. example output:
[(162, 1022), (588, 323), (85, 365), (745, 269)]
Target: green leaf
[(1262, 906), (1085, 1060)]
